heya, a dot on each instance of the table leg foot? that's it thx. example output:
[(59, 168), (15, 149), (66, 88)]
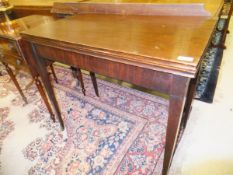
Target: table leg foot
[(178, 92), (44, 97), (53, 72), (78, 74), (94, 82)]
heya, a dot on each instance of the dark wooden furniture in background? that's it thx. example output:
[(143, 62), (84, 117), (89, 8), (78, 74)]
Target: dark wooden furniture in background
[(225, 16), (26, 10), (5, 12), (11, 53), (159, 51)]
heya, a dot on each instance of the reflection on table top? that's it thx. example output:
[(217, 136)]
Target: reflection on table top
[(149, 40), (11, 28)]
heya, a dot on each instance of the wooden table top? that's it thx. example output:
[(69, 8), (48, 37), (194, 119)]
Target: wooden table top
[(11, 28), (161, 43)]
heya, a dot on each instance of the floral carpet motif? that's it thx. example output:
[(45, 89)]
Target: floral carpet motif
[(120, 132), (6, 126)]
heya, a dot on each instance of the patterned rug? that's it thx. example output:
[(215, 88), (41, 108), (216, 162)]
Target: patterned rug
[(120, 132)]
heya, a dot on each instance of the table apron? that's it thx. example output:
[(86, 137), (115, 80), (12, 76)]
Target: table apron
[(143, 77)]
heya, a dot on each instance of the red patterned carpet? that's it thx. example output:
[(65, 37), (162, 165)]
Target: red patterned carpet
[(120, 132)]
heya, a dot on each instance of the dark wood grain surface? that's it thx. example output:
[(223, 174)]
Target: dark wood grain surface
[(150, 41)]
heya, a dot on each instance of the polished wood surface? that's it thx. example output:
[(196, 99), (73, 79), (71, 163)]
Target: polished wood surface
[(132, 38), (11, 28)]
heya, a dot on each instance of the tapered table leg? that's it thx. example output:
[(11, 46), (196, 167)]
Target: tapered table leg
[(41, 68), (11, 74), (44, 97), (78, 74), (189, 99), (73, 69), (178, 91), (53, 72), (80, 77), (94, 82)]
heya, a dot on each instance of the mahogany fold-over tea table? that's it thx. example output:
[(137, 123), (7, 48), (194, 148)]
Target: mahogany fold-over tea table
[(161, 53)]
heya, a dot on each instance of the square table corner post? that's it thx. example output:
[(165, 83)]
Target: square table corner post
[(38, 66), (178, 93)]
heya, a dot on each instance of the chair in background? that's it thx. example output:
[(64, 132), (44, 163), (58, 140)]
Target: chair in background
[(11, 55)]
